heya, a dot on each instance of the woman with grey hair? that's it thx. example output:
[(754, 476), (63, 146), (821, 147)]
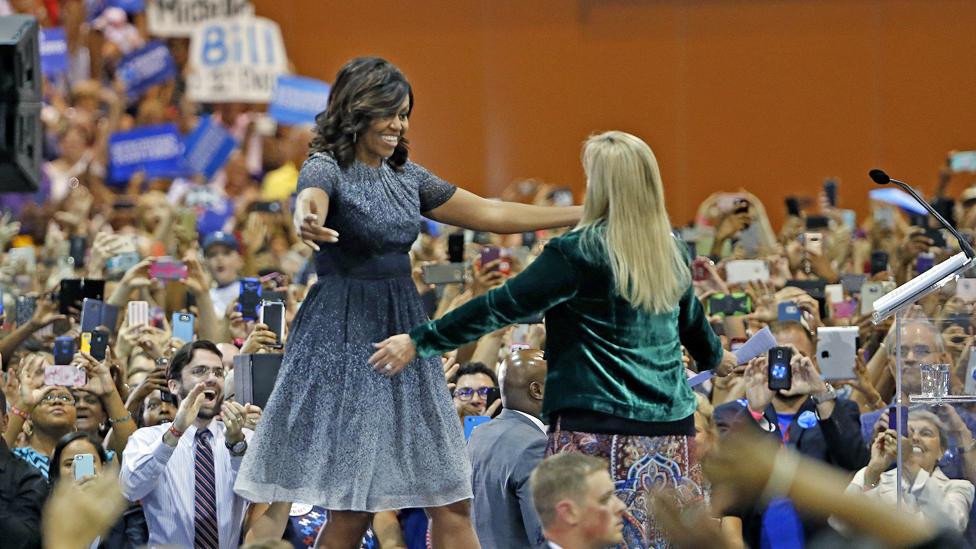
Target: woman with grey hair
[(926, 489)]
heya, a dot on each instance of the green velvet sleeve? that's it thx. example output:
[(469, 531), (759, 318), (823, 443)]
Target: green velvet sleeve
[(696, 333), (549, 280)]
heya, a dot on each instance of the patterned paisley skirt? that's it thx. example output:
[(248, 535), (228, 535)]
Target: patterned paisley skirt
[(639, 466)]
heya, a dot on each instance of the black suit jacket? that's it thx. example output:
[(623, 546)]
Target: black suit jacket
[(836, 440), (23, 492)]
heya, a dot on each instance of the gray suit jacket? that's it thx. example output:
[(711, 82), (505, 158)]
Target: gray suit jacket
[(503, 454)]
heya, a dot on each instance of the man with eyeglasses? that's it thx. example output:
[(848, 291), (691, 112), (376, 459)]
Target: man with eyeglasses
[(22, 494), (475, 391), (184, 471)]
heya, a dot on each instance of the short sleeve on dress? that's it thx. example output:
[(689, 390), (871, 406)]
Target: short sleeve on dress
[(433, 190), (320, 171)]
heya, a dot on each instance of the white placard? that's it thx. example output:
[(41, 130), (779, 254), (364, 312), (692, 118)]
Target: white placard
[(236, 60), (180, 17)]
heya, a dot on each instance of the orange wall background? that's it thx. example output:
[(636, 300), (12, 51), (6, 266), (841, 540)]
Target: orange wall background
[(770, 95)]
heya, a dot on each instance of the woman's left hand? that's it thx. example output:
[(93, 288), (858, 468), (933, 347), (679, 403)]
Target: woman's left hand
[(393, 354)]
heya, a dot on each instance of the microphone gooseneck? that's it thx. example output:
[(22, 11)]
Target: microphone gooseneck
[(881, 178)]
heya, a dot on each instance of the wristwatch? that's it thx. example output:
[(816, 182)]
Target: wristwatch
[(238, 448), (826, 396)]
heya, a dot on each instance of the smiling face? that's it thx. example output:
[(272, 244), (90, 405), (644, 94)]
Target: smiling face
[(156, 411), (926, 446), (204, 367), (382, 136)]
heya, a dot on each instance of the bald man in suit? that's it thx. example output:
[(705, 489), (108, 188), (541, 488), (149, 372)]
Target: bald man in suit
[(503, 454)]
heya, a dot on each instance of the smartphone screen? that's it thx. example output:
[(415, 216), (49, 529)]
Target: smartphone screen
[(780, 372), (879, 262), (893, 413), (250, 298)]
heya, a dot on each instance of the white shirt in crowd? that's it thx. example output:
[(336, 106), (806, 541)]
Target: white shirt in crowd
[(538, 422), (935, 496), (162, 478), (223, 296)]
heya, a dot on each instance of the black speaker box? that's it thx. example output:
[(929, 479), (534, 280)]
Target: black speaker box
[(20, 104)]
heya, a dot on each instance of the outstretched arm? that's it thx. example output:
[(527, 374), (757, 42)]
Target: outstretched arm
[(468, 210)]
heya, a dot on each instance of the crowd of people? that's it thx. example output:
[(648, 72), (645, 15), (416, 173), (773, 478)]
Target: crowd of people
[(583, 429)]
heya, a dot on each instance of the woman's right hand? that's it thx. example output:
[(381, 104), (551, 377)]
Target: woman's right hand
[(883, 452), (309, 227)]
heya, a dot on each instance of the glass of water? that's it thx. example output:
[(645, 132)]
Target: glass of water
[(935, 380)]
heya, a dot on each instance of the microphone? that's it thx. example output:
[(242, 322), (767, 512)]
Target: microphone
[(932, 279), (881, 178)]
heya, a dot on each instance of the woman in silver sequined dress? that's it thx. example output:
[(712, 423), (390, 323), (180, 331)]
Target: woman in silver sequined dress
[(336, 432)]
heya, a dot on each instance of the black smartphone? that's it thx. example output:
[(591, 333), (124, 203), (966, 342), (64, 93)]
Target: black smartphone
[(70, 295), (779, 370), (817, 222), (273, 316), (792, 206), (191, 300), (99, 344), (879, 262), (529, 239), (455, 248), (830, 190), (937, 236), (250, 298), (64, 350), (166, 396), (270, 207), (76, 250), (493, 394)]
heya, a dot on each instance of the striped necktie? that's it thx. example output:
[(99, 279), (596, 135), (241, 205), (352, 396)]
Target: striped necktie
[(205, 534)]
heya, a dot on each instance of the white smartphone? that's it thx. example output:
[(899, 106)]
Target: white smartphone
[(870, 293), (746, 270), (834, 293), (837, 352), (138, 313)]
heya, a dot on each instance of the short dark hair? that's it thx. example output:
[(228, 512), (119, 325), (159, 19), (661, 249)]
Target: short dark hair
[(54, 470), (183, 357), (474, 368)]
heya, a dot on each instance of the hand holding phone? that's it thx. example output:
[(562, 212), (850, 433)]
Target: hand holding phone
[(780, 368)]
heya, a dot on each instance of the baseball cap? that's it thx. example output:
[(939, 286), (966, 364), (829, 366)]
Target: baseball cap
[(220, 237)]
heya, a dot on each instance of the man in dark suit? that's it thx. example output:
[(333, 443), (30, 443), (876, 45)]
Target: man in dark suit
[(22, 494), (808, 417), (503, 454)]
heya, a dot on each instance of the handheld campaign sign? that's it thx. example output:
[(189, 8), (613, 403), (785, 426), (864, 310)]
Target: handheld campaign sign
[(130, 6), (297, 100), (146, 67), (180, 17), (208, 147), (156, 150), (236, 60), (54, 52)]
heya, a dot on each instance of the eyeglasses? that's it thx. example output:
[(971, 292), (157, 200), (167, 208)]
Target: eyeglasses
[(203, 371), (51, 398), (468, 392)]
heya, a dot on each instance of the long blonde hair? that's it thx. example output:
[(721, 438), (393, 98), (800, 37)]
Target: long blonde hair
[(624, 194)]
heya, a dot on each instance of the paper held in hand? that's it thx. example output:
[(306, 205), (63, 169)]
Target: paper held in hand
[(758, 344)]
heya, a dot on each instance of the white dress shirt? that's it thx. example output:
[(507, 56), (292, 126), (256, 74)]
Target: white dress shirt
[(162, 478), (933, 495), (538, 422)]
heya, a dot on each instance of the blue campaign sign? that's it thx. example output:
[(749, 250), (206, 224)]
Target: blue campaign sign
[(297, 100), (146, 67), (54, 52), (207, 148), (155, 150), (130, 6)]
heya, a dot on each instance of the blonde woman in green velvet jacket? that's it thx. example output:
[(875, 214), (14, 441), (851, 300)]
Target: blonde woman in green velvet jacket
[(619, 304)]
